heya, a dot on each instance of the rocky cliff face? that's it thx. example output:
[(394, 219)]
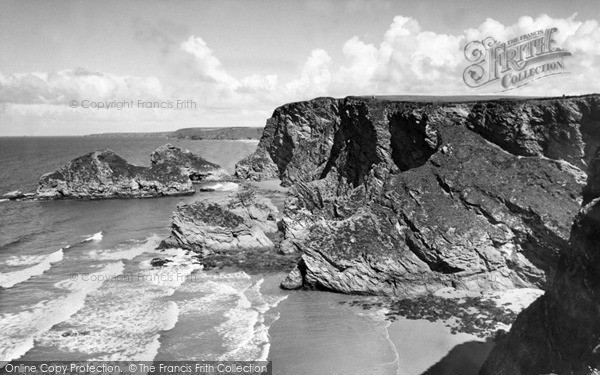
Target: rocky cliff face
[(395, 197), (103, 174), (560, 332)]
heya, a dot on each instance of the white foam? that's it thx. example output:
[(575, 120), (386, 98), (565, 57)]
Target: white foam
[(95, 237), (10, 279), (124, 319), (24, 260), (128, 254), (19, 330), (4, 200), (222, 186), (246, 331), (173, 273), (136, 350), (237, 297)]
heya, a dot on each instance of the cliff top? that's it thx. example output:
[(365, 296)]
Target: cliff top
[(447, 98)]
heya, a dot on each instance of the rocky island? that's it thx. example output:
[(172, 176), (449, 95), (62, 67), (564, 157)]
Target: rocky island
[(400, 197), (103, 174)]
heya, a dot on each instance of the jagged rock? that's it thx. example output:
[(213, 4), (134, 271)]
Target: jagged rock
[(257, 166), (293, 280), (403, 198), (72, 332), (560, 332), (208, 227), (197, 168), (312, 126), (159, 262), (254, 208)]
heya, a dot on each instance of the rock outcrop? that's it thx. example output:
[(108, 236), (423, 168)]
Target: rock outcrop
[(103, 174), (196, 167), (560, 332), (401, 198), (238, 224)]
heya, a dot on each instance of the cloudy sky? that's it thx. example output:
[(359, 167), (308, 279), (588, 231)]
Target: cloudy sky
[(238, 60)]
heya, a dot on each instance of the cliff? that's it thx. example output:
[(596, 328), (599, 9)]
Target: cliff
[(221, 133), (560, 332), (403, 197), (103, 174), (230, 133)]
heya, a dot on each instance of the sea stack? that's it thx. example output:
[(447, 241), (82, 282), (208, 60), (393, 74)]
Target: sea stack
[(104, 174)]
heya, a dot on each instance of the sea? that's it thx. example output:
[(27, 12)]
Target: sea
[(76, 284)]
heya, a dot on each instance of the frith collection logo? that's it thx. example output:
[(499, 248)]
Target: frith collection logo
[(516, 62)]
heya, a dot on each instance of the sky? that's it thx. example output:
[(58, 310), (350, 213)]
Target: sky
[(81, 67)]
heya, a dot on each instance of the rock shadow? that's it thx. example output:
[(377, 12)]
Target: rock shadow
[(463, 359)]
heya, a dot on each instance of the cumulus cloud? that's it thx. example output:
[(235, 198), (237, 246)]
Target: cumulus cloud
[(258, 83), (407, 60), (410, 60), (581, 38), (314, 78), (205, 64), (79, 84)]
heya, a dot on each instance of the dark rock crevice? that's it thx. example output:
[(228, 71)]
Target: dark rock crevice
[(413, 141)]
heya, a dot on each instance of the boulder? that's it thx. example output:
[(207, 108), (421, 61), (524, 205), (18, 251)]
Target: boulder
[(293, 280)]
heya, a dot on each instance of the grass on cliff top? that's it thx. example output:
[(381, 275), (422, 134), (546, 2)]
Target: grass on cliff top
[(443, 98)]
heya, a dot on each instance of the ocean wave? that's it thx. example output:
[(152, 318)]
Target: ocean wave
[(21, 239), (117, 254), (124, 320), (18, 331), (41, 263), (4, 200), (174, 273), (94, 237), (248, 313), (128, 350), (221, 186), (10, 279), (246, 331)]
